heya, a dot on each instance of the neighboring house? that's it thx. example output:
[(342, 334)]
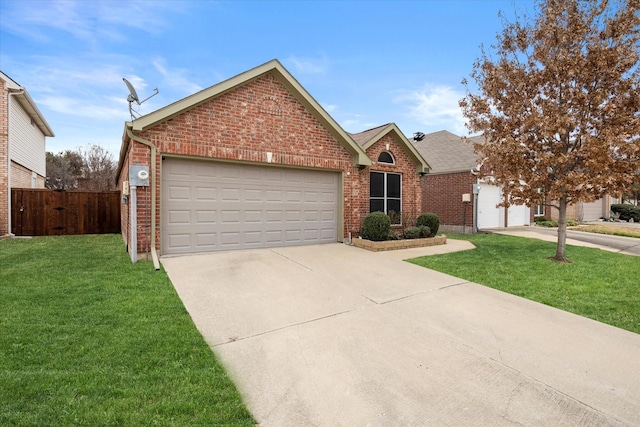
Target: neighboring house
[(583, 211), (255, 161), (23, 132), (448, 190)]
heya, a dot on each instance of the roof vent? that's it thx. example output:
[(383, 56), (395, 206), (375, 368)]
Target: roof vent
[(418, 136)]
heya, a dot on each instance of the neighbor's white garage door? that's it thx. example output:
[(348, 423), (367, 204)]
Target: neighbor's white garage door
[(518, 215), (209, 206), (489, 216)]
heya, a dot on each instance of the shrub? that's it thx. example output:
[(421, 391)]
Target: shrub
[(430, 220), (376, 227), (393, 236), (627, 212), (411, 233), (424, 231), (572, 223), (540, 219), (547, 223)]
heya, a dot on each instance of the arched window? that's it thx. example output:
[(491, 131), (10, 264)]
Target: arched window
[(386, 157)]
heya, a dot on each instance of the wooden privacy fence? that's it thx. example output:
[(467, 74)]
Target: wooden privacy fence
[(43, 212)]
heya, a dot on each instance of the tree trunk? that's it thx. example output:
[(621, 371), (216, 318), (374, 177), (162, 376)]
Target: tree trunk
[(562, 232)]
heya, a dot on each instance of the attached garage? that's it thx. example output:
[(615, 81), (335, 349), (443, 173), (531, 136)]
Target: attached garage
[(252, 162), (490, 216), (209, 206)]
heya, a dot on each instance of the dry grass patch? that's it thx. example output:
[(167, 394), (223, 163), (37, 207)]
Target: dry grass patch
[(615, 230)]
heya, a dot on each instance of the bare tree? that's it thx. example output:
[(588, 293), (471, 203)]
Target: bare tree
[(559, 105), (92, 168), (98, 170)]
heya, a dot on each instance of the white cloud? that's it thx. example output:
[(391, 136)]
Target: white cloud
[(330, 107), (88, 21), (309, 65), (176, 79), (434, 106)]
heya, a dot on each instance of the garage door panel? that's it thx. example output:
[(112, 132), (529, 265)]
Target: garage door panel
[(206, 217), (179, 193), (204, 194), (488, 214), (245, 206)]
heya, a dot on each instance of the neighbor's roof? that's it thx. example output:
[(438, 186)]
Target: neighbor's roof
[(447, 152), (24, 99), (275, 68), (369, 137)]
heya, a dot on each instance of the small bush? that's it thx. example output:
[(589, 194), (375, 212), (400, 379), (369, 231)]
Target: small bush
[(572, 223), (376, 227), (430, 220), (411, 233), (627, 212), (540, 219), (547, 223), (424, 231), (393, 236)]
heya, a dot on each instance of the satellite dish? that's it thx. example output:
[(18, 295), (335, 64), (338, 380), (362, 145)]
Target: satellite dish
[(133, 97)]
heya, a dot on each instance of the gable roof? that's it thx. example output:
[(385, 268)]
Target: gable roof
[(369, 137), (275, 68), (448, 152), (27, 104)]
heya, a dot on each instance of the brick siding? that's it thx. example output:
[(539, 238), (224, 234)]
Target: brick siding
[(243, 125), (442, 195), (404, 165)]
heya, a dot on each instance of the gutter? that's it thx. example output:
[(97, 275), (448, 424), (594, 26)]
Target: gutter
[(154, 254)]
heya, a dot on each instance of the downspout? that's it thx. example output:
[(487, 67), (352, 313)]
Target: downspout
[(154, 254), (19, 92)]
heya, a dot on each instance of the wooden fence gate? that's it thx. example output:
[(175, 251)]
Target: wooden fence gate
[(43, 212)]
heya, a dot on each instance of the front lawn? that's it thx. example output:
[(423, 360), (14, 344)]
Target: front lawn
[(601, 285), (90, 339)]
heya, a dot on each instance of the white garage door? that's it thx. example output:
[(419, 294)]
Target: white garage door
[(210, 206), (489, 216), (518, 215)]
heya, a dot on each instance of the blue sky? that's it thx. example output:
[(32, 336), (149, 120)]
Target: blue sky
[(366, 62)]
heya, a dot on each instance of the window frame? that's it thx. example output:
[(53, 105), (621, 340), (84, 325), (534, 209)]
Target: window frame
[(393, 159), (385, 198)]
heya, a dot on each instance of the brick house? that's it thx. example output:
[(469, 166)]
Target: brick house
[(448, 190), (255, 161), (23, 132)]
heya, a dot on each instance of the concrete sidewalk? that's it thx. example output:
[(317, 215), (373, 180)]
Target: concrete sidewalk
[(332, 335), (606, 242)]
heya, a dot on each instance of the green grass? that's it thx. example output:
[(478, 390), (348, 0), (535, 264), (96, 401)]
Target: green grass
[(600, 285), (88, 339)]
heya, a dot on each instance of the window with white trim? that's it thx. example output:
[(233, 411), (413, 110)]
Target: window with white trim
[(386, 157), (385, 192)]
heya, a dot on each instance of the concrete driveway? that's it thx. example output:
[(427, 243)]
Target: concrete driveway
[(333, 335)]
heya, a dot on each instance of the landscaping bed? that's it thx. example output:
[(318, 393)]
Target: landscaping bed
[(390, 245)]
